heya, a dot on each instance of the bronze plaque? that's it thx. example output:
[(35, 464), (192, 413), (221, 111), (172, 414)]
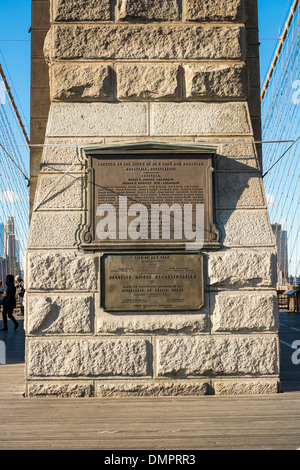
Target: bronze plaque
[(152, 282), (149, 200)]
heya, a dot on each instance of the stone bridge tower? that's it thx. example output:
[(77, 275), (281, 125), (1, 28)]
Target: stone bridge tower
[(122, 82)]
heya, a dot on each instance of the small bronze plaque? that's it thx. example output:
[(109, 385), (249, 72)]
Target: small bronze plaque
[(152, 282)]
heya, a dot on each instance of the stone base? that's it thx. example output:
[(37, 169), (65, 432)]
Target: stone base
[(154, 388), (151, 365)]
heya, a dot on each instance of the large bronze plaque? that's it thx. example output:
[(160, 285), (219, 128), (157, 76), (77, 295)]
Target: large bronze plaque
[(132, 185), (152, 282)]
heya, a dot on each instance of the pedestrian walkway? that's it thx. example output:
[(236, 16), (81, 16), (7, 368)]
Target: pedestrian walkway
[(289, 335), (270, 422), (14, 342)]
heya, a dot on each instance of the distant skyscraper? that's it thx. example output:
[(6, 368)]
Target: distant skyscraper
[(10, 255), (1, 239), (9, 230), (282, 252)]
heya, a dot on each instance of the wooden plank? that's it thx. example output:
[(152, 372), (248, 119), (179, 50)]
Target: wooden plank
[(256, 422), (259, 422)]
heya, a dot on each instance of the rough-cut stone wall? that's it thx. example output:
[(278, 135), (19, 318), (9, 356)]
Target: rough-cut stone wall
[(152, 70), (40, 99)]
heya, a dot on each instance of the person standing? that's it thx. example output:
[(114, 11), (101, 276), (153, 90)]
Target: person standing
[(20, 291), (9, 303), (1, 290)]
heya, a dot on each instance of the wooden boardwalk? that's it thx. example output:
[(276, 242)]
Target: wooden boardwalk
[(270, 422)]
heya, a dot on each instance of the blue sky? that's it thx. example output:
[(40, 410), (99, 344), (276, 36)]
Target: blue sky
[(15, 20), (272, 17)]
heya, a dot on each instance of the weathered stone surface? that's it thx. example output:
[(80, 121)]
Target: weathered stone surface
[(159, 388), (254, 101), (252, 43), (37, 38), (242, 268), (199, 119), (218, 355), (147, 82), (87, 357), (40, 14), (239, 190), (253, 68), (237, 156), (233, 154), (212, 10), (39, 74), (215, 81), (246, 387), (61, 271), (244, 228), (257, 132), (97, 119), (81, 10), (40, 103), (137, 42), (60, 390), (55, 192), (35, 161), (244, 311), (38, 127), (59, 154), (251, 14), (59, 314), (127, 119), (54, 229), (150, 10), (121, 141), (173, 322), (75, 82)]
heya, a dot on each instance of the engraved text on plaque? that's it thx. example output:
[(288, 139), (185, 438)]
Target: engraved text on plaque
[(152, 282)]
